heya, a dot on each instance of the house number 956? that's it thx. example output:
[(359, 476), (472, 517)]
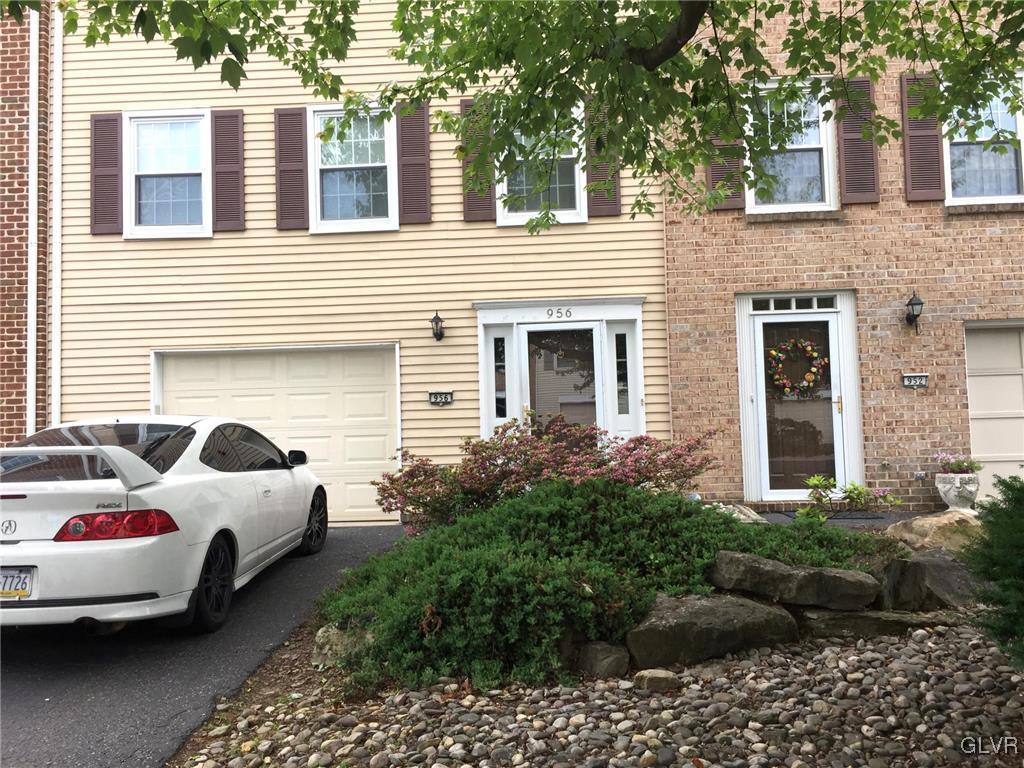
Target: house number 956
[(559, 313)]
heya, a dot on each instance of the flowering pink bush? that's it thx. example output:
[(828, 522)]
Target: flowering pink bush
[(957, 463), (519, 456)]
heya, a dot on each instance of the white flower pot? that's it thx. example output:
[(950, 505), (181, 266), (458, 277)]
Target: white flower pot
[(958, 490)]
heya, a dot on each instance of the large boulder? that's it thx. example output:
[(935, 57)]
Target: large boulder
[(599, 659), (948, 530), (927, 581), (817, 622), (690, 629), (797, 585)]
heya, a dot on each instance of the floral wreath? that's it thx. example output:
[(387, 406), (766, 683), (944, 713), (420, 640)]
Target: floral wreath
[(778, 355)]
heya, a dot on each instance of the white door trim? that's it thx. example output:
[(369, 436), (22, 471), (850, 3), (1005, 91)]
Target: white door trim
[(847, 363), (535, 312)]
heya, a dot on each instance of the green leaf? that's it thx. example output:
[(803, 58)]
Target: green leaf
[(231, 72)]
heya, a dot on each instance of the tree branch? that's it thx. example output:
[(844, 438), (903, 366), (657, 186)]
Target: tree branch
[(681, 32)]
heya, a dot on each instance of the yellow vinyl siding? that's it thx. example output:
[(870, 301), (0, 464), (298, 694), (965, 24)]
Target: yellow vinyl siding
[(123, 299)]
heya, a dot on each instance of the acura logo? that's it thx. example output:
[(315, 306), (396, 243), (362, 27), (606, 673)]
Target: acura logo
[(7, 527)]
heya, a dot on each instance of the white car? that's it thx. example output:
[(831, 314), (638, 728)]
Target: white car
[(110, 520)]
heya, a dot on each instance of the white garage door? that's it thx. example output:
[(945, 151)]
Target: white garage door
[(337, 405), (995, 384)]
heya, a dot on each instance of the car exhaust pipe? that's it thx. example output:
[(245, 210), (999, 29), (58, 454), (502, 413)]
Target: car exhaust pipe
[(93, 628)]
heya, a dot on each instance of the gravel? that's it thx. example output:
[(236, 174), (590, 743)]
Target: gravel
[(893, 701)]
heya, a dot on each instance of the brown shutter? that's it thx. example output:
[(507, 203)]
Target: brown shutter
[(228, 170), (290, 158), (476, 206), (922, 147), (414, 165), (716, 172), (105, 174), (601, 202), (858, 157)]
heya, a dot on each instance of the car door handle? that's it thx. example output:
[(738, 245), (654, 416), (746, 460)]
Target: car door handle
[(267, 491)]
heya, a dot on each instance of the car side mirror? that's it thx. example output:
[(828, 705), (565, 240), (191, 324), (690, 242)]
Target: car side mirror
[(297, 458)]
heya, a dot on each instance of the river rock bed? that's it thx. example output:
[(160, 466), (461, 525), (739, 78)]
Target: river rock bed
[(885, 703)]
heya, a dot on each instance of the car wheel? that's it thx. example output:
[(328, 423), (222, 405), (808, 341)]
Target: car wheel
[(315, 535), (216, 587)]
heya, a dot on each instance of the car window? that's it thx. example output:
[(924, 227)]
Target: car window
[(255, 451), (159, 445), (218, 453), (27, 468)]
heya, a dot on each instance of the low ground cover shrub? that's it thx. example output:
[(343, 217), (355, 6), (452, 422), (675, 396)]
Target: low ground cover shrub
[(996, 558), (520, 456), (494, 595)]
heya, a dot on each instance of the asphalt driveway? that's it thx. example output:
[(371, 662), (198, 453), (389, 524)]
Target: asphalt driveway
[(130, 700)]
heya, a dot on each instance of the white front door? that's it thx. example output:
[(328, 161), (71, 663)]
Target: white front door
[(801, 409), (578, 361)]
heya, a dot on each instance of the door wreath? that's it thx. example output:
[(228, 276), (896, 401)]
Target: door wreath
[(811, 380)]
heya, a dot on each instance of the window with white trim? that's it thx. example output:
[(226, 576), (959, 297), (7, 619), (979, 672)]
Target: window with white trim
[(565, 191), (353, 185), (167, 189), (979, 170), (806, 170)]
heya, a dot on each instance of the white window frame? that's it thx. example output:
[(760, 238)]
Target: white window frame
[(982, 199), (829, 172), (577, 215), (131, 230), (318, 225)]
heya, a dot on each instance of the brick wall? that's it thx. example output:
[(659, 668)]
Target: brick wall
[(14, 186), (966, 267)]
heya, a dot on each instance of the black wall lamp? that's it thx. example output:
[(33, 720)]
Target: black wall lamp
[(914, 307), (437, 324)]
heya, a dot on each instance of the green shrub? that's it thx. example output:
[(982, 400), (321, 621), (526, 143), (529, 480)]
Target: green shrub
[(997, 558), (494, 595)]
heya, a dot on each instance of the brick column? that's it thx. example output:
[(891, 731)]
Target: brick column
[(14, 245)]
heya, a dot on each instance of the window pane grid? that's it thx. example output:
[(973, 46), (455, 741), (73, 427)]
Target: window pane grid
[(353, 172), (168, 188), (169, 200), (799, 170), (560, 192)]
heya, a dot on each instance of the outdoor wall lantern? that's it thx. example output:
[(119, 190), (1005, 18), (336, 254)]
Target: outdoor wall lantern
[(914, 307), (438, 325)]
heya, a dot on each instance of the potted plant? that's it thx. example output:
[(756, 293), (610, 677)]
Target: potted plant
[(957, 480)]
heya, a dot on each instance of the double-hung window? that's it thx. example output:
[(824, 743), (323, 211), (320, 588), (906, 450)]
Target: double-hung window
[(805, 170), (979, 170), (353, 185), (564, 191), (167, 189)]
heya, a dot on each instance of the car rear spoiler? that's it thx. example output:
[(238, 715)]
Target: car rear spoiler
[(129, 468)]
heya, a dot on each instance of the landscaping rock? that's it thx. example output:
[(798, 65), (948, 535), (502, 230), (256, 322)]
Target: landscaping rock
[(927, 581), (657, 680), (949, 530), (599, 659), (816, 622), (330, 644), (742, 513), (825, 587), (690, 629)]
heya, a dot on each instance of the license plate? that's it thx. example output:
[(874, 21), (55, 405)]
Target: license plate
[(15, 583)]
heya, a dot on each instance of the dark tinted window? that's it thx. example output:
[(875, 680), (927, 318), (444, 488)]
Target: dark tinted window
[(48, 469), (255, 451), (218, 453), (159, 445)]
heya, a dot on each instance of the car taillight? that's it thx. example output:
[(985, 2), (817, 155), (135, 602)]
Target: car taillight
[(99, 526)]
